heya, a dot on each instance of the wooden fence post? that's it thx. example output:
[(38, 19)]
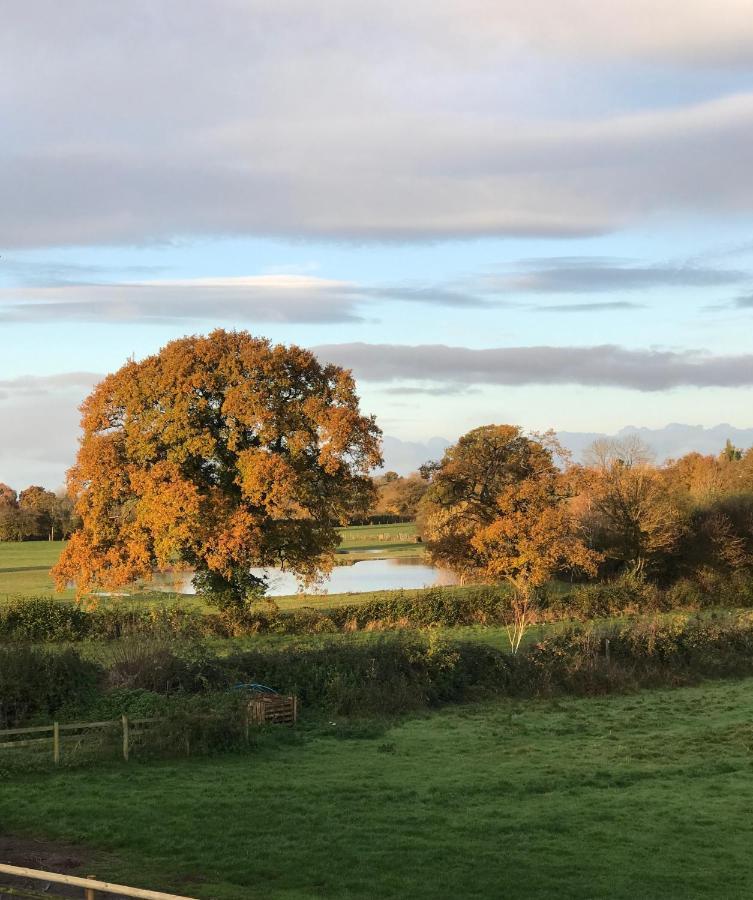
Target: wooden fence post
[(56, 742), (90, 893), (125, 738)]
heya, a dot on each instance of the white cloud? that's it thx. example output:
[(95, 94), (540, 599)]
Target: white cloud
[(255, 298)]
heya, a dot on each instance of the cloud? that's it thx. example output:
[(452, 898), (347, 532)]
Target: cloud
[(745, 302), (607, 306), (258, 298), (49, 292), (587, 275), (39, 422), (439, 390), (596, 366), (47, 384), (342, 121)]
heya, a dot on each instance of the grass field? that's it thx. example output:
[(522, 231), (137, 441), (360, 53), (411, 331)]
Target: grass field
[(644, 795), (379, 542), (25, 567)]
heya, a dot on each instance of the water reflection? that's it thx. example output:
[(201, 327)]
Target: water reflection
[(407, 573)]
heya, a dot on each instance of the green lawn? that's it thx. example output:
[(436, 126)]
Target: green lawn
[(644, 795), (25, 568)]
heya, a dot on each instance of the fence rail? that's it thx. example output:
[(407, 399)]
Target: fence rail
[(90, 885), (55, 738), (265, 709)]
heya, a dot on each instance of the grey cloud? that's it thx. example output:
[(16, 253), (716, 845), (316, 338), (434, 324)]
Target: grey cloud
[(45, 383), (607, 306), (597, 366), (39, 422), (435, 296), (441, 390), (49, 273), (745, 302), (572, 275), (325, 120)]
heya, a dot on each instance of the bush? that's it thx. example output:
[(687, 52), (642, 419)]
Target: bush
[(161, 666), (390, 675), (627, 595), (42, 619), (435, 606), (43, 684)]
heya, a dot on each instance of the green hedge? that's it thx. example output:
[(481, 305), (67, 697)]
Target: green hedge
[(389, 675), (43, 620)]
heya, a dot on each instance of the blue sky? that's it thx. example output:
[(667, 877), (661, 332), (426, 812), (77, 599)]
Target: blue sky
[(490, 214)]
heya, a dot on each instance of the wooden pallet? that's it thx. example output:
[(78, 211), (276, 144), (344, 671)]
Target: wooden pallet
[(273, 709)]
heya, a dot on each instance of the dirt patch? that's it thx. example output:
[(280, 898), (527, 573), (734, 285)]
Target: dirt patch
[(49, 856), (53, 856)]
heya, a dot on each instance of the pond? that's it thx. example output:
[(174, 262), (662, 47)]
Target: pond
[(368, 575)]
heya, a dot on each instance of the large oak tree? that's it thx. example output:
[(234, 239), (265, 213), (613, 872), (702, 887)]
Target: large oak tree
[(219, 453)]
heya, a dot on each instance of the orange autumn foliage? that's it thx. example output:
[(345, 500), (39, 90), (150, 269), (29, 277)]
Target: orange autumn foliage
[(535, 534), (498, 508), (218, 453)]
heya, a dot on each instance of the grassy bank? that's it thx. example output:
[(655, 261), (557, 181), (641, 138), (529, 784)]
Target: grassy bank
[(619, 797)]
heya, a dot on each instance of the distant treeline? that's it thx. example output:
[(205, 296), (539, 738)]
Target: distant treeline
[(500, 506), (35, 514), (397, 499)]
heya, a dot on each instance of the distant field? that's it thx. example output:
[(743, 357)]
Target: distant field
[(645, 795), (379, 542), (25, 566)]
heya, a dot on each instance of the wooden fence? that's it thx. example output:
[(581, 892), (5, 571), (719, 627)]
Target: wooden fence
[(265, 709), (54, 735), (91, 887)]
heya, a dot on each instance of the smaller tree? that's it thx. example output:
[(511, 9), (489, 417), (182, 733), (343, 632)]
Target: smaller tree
[(631, 514), (464, 489), (534, 536), (8, 496), (40, 504), (500, 509)]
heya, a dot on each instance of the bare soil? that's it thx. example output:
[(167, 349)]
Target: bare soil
[(49, 856)]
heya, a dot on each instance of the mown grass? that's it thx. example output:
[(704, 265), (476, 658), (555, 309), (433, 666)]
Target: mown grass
[(25, 568), (645, 795)]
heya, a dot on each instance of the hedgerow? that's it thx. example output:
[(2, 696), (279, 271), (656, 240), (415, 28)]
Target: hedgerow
[(390, 675), (44, 620)]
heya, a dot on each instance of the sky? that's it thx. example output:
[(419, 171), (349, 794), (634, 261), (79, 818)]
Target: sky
[(534, 213)]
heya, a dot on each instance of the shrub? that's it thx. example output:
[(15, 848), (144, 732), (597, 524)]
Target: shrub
[(435, 606), (625, 595), (161, 666), (38, 683), (41, 619)]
